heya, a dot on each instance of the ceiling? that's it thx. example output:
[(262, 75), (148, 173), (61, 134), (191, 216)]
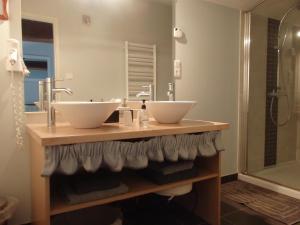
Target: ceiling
[(277, 8), (237, 4), (270, 8), (168, 2)]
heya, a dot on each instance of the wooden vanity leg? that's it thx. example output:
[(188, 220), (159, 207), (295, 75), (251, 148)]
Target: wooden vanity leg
[(209, 201), (209, 193), (40, 186)]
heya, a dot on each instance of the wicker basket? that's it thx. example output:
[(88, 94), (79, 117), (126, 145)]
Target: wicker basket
[(8, 210)]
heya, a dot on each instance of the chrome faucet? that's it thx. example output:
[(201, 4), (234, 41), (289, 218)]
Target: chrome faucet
[(51, 92), (41, 104), (171, 92), (148, 93)]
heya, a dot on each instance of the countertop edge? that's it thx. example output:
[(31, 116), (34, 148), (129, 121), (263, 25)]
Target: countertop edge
[(122, 135)]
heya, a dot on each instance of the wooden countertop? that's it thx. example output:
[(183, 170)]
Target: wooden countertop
[(65, 134)]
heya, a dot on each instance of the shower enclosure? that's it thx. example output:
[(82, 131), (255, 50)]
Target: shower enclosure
[(271, 92)]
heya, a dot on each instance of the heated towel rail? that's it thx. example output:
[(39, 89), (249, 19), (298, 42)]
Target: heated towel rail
[(140, 68)]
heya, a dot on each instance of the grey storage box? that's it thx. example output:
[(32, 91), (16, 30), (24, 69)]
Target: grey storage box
[(100, 215)]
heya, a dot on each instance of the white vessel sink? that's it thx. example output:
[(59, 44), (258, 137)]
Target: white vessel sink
[(86, 114), (169, 111)]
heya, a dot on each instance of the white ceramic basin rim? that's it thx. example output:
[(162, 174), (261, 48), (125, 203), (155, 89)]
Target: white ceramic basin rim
[(169, 111), (85, 114)]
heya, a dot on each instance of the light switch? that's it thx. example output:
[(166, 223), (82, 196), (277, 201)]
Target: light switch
[(69, 76), (177, 68)]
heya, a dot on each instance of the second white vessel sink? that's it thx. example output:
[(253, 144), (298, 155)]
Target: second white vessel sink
[(169, 111), (86, 114)]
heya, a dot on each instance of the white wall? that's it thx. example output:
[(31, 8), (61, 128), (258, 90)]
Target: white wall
[(95, 54), (14, 164), (210, 65)]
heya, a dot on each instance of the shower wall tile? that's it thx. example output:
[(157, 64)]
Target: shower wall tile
[(271, 81), (257, 93), (287, 136)]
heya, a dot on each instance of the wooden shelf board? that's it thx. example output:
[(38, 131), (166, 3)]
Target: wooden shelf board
[(138, 186)]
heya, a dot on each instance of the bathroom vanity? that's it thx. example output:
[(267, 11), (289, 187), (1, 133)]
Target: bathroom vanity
[(206, 183)]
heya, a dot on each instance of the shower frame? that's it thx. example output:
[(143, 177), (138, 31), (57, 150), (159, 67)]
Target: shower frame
[(243, 166), (244, 91)]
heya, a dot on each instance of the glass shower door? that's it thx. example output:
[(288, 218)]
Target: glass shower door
[(273, 109)]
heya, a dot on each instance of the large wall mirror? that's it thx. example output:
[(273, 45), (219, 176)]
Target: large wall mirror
[(82, 44)]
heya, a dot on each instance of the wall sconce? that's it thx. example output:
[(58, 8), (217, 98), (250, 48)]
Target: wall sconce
[(3, 10)]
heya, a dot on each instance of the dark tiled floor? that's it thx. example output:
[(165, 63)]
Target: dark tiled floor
[(231, 215), (236, 214)]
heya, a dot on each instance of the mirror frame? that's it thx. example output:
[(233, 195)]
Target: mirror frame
[(4, 14)]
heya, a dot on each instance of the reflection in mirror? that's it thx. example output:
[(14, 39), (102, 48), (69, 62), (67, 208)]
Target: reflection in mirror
[(38, 54), (100, 49)]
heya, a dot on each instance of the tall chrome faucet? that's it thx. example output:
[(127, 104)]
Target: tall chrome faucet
[(148, 93), (51, 92), (171, 92)]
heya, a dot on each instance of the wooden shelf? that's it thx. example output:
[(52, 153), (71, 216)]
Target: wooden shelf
[(137, 186)]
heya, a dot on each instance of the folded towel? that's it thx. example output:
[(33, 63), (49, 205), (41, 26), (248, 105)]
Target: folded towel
[(74, 198), (104, 215), (166, 168), (89, 182), (159, 178)]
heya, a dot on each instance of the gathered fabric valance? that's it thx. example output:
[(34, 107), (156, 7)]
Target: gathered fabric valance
[(116, 155)]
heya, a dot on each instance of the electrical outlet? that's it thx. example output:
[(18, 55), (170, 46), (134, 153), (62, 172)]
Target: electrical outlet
[(177, 68)]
